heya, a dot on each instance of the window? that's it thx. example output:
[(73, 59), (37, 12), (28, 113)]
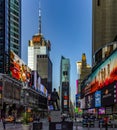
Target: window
[(98, 2)]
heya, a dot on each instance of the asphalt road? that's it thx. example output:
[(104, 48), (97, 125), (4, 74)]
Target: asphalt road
[(76, 126)]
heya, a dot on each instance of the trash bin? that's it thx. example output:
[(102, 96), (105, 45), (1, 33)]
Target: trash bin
[(37, 125)]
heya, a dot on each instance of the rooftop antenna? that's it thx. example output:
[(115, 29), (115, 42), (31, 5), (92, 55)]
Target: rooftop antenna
[(39, 16)]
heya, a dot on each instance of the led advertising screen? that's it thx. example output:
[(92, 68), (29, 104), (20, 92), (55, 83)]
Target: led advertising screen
[(104, 75), (82, 105), (77, 100), (98, 99), (65, 97), (18, 69), (101, 111), (89, 101)]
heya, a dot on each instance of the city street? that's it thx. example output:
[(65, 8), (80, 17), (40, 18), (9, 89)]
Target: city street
[(76, 126)]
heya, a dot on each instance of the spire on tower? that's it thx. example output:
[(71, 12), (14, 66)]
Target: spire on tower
[(39, 16)]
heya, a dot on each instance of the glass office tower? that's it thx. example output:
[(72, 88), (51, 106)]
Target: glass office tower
[(10, 31), (65, 84)]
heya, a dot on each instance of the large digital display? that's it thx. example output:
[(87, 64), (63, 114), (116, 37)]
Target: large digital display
[(77, 100), (18, 69), (65, 97), (98, 99), (36, 83), (104, 75), (101, 111), (90, 101)]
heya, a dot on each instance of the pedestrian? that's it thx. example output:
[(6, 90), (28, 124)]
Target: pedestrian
[(49, 119), (4, 123), (38, 118)]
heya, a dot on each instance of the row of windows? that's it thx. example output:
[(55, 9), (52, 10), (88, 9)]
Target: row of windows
[(14, 6), (42, 56), (14, 23), (14, 40), (14, 34), (14, 12), (13, 17), (14, 29), (15, 2), (14, 46)]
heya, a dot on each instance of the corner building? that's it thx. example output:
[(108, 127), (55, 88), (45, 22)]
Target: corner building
[(10, 31)]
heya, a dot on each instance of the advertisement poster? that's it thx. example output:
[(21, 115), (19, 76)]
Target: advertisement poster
[(98, 99), (101, 111), (18, 69), (103, 76), (65, 97), (77, 100), (90, 101)]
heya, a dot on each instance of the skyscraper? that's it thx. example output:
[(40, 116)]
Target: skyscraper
[(104, 24), (84, 70), (39, 57), (65, 84), (10, 31)]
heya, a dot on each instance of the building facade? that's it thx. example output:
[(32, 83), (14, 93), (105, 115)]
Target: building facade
[(104, 29), (10, 31), (83, 69), (65, 84), (39, 59)]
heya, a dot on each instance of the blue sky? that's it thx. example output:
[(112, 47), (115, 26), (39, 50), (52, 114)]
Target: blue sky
[(68, 26)]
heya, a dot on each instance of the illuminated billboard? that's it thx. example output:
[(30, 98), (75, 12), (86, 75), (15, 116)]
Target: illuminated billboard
[(98, 99), (101, 111), (36, 83), (102, 76), (65, 97), (18, 69)]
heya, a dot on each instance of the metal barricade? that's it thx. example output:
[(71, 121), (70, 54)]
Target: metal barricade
[(37, 125), (61, 126)]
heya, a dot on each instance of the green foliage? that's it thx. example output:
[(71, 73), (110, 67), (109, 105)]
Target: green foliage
[(26, 116)]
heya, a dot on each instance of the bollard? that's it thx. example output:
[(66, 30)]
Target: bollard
[(106, 126), (76, 126), (88, 125), (100, 126), (113, 126)]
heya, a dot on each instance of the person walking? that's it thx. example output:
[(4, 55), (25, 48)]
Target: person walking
[(4, 123)]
